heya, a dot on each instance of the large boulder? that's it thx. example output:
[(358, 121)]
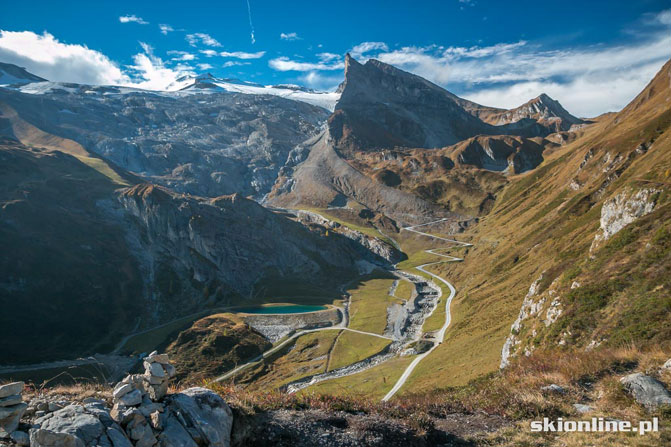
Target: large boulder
[(206, 416), (74, 420), (647, 390), (47, 438)]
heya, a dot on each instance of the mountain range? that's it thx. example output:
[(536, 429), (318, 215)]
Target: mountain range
[(124, 210)]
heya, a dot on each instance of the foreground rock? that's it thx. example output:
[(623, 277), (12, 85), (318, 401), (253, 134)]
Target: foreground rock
[(647, 390), (12, 408), (142, 414)]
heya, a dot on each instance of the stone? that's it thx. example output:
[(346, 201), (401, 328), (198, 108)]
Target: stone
[(582, 408), (646, 390), (171, 371), (54, 406), (46, 438), (157, 392), (140, 431), (10, 417), (131, 399), (175, 435), (121, 389), (157, 358), (20, 438), (148, 409), (153, 380), (208, 416), (118, 438), (553, 388), (11, 389), (11, 400), (123, 415), (154, 369), (40, 413), (73, 420), (99, 410), (667, 364)]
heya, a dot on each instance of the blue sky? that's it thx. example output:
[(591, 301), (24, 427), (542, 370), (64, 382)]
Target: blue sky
[(593, 56)]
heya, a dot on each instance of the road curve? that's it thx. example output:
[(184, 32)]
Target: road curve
[(440, 335)]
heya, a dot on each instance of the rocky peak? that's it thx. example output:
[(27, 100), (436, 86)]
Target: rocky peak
[(544, 110), (382, 106)]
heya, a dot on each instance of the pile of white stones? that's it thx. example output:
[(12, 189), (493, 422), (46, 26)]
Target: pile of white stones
[(12, 408), (137, 407), (142, 415)]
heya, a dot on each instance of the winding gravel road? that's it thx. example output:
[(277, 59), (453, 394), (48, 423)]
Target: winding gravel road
[(440, 335)]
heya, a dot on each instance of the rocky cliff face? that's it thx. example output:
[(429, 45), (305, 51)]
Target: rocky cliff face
[(215, 250)]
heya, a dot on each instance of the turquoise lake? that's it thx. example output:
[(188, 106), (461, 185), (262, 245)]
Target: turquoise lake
[(288, 309)]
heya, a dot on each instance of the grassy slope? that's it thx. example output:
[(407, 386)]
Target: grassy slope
[(374, 382), (214, 345), (306, 356), (539, 224), (352, 347), (368, 304)]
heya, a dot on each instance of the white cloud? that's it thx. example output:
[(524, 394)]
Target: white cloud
[(234, 64), (165, 29), (133, 19), (153, 72), (359, 51), (209, 53), (51, 59), (321, 82), (587, 80), (326, 57), (205, 66), (286, 64), (289, 36), (242, 54), (181, 55), (196, 38)]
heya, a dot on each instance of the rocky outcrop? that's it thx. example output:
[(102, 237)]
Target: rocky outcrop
[(142, 415), (539, 310), (647, 390), (373, 244), (621, 210)]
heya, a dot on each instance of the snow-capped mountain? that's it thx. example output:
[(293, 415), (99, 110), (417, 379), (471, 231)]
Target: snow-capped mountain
[(14, 75), (208, 83)]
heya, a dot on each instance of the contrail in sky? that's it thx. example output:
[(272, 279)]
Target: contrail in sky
[(251, 25)]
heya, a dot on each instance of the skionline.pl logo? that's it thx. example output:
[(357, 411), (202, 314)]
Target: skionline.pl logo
[(595, 425)]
